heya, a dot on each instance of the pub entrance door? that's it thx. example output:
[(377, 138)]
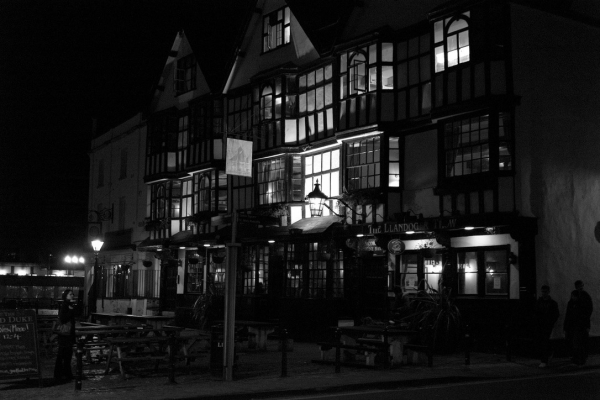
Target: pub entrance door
[(168, 285), (373, 293)]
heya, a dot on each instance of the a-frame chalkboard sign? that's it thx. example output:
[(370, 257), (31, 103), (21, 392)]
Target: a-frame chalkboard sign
[(19, 356)]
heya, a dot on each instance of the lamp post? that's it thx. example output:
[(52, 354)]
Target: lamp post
[(316, 200), (96, 245)]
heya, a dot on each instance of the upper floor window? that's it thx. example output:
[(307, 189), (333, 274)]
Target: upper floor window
[(266, 103), (451, 37), (271, 181), (358, 70), (363, 164), (185, 74), (470, 145), (276, 29)]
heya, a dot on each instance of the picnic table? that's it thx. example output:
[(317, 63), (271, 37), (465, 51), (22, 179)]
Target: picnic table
[(157, 321), (96, 337), (372, 339), (258, 331)]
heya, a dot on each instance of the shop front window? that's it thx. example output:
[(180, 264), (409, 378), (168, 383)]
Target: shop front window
[(483, 272)]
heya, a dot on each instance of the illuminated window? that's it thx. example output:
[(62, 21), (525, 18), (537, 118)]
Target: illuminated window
[(324, 167), (185, 74), (467, 146), (394, 162), (266, 104), (483, 272), (469, 149), (451, 37), (363, 164), (271, 181), (315, 104), (276, 29)]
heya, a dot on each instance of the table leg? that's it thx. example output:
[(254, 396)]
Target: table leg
[(110, 353), (120, 358)]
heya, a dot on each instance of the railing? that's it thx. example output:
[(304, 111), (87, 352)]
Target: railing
[(134, 284)]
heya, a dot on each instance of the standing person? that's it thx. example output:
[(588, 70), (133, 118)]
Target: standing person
[(545, 313), (586, 299), (576, 327), (66, 314)]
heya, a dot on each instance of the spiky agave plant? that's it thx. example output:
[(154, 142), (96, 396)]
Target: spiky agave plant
[(437, 317)]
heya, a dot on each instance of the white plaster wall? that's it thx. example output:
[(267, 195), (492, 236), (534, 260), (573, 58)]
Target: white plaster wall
[(556, 69)]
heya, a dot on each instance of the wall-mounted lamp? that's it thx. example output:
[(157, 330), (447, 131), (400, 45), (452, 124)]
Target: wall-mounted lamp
[(316, 200), (469, 228), (271, 241)]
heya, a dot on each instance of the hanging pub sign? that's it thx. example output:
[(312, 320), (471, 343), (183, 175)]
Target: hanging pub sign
[(239, 158), (396, 246)]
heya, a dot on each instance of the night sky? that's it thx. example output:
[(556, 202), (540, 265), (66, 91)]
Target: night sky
[(63, 63)]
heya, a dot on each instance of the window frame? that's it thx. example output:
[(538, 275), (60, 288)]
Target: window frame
[(499, 148), (441, 42), (481, 272), (184, 79), (280, 20)]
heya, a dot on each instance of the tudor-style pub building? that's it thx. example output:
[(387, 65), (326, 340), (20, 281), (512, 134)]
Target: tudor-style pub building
[(428, 130)]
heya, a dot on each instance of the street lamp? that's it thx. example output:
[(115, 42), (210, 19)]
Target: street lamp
[(316, 200), (96, 245)]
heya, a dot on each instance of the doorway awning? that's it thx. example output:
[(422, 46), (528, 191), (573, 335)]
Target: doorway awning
[(315, 225)]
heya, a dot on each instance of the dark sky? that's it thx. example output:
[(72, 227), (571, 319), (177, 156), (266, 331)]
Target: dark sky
[(63, 63)]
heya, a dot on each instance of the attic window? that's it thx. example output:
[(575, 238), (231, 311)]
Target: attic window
[(185, 74), (276, 29)]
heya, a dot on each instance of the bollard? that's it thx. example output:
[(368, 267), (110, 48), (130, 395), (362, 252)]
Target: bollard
[(467, 346), (79, 356), (172, 343), (284, 338), (338, 339), (386, 354)]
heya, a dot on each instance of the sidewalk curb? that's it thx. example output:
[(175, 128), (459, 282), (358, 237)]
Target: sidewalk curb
[(383, 385)]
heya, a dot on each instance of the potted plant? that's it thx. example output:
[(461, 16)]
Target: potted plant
[(201, 217), (436, 316), (326, 250), (147, 263), (359, 197), (426, 248), (193, 259)]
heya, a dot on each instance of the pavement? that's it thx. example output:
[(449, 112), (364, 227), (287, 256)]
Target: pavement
[(258, 375)]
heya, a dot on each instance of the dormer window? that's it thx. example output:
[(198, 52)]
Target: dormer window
[(451, 37), (185, 74), (276, 29)]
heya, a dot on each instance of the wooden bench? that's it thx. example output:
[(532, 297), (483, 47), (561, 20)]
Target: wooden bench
[(414, 350), (371, 349), (152, 349)]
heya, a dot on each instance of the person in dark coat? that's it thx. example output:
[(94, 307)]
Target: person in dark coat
[(576, 327), (66, 314), (546, 313)]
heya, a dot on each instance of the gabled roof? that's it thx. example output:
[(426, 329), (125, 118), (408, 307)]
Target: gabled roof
[(214, 33), (323, 21)]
